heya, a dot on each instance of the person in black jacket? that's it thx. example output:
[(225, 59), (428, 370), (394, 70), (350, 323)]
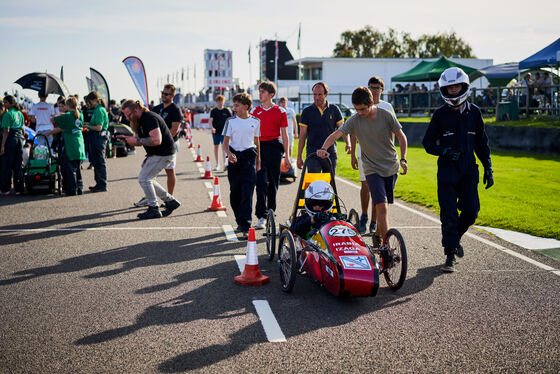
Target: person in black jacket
[(455, 134)]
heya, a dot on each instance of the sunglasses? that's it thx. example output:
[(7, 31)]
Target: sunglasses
[(166, 93)]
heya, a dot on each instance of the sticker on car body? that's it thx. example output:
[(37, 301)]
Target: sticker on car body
[(341, 231), (355, 262)]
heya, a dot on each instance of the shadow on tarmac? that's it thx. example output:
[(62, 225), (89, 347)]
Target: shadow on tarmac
[(131, 257), (306, 305)]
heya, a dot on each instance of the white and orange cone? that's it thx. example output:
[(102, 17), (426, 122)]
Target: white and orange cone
[(217, 199), (251, 276), (207, 169), (198, 155)]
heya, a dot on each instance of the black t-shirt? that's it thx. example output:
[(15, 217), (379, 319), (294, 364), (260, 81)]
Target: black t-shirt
[(219, 118), (170, 114), (150, 121)]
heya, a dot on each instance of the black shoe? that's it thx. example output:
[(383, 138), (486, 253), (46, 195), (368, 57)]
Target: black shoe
[(448, 266), (459, 251), (90, 166), (245, 235), (152, 212), (98, 189), (170, 206), (80, 192), (372, 227)]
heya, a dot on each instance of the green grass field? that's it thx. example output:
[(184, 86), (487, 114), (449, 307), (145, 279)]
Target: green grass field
[(543, 122), (524, 198)]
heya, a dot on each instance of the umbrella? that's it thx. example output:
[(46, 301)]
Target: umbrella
[(43, 82)]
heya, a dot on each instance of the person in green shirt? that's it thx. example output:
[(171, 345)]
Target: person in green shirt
[(97, 133), (72, 153), (12, 147)]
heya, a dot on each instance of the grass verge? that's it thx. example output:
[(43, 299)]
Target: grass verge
[(524, 198)]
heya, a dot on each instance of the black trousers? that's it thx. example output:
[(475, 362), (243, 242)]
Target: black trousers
[(321, 165), (98, 142), (268, 178), (242, 177), (12, 162), (457, 192), (72, 174)]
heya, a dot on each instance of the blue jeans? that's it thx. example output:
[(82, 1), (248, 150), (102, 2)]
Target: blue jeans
[(98, 142)]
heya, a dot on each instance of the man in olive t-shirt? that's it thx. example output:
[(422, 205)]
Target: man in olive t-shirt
[(375, 129)]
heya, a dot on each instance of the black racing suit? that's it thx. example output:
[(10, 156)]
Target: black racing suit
[(462, 134)]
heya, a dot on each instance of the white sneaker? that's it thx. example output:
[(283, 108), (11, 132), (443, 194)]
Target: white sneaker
[(142, 202), (216, 168), (261, 223)]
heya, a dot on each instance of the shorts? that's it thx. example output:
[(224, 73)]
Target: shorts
[(381, 188), (218, 139), (171, 165)]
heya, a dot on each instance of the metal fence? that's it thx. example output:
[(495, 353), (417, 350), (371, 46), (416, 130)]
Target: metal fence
[(503, 102)]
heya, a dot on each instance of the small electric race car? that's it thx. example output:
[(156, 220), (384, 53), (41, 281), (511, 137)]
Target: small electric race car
[(334, 255)]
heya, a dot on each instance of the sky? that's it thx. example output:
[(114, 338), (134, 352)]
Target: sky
[(169, 36)]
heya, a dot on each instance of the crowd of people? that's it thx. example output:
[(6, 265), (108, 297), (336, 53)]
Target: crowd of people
[(256, 141)]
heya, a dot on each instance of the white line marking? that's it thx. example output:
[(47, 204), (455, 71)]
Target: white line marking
[(230, 234), (112, 229), (201, 170), (211, 194), (199, 164), (221, 213), (208, 185), (482, 240), (240, 259), (271, 327)]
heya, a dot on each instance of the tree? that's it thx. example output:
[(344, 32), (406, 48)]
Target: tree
[(369, 42)]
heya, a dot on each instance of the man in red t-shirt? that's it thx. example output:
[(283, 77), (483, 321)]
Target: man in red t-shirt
[(274, 123)]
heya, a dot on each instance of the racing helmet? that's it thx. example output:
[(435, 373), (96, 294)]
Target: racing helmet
[(450, 77), (319, 193)]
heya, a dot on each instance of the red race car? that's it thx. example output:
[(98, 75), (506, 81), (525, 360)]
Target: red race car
[(331, 251)]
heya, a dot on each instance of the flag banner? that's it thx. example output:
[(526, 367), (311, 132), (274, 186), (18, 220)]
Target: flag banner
[(249, 52), (137, 72), (62, 73), (218, 68), (89, 85), (299, 38), (100, 86)]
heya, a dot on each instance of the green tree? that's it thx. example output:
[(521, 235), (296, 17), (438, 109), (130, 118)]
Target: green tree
[(369, 42)]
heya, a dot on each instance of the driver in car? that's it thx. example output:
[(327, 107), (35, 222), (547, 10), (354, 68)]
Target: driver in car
[(318, 203)]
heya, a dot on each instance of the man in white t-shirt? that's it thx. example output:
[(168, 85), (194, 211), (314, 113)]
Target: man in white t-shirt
[(292, 122), (41, 114), (376, 86)]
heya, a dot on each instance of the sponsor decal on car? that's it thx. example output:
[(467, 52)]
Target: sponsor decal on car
[(341, 231), (328, 269), (355, 262)]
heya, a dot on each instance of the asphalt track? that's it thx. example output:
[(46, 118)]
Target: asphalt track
[(85, 287)]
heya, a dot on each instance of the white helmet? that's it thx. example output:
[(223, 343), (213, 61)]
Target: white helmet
[(450, 77), (319, 193)]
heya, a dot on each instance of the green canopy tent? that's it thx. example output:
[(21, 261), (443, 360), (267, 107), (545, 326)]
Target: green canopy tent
[(429, 71)]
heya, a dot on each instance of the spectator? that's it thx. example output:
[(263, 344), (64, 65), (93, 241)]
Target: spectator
[(376, 86), (292, 122), (172, 116), (156, 138), (218, 118), (70, 124), (12, 147), (316, 123), (41, 115), (274, 123), (241, 143), (97, 133), (375, 129), (526, 83)]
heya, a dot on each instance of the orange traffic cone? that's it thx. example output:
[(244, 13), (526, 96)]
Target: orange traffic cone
[(198, 155), (251, 276), (216, 200), (207, 170)]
